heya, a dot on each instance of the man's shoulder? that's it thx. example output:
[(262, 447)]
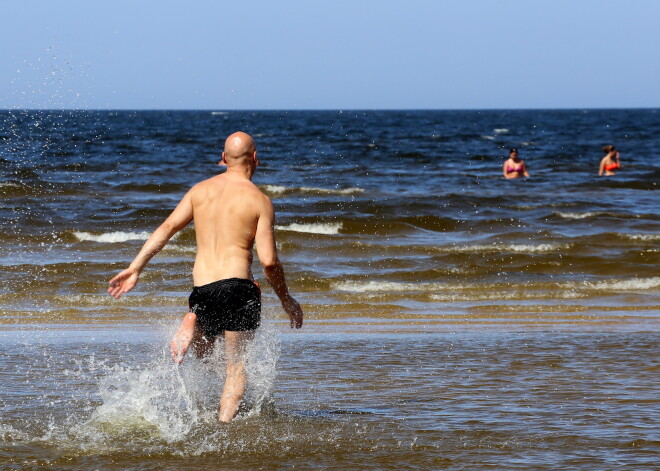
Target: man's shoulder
[(199, 185), (218, 182)]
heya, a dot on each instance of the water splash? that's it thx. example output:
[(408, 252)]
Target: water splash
[(51, 80), (167, 402), (122, 399)]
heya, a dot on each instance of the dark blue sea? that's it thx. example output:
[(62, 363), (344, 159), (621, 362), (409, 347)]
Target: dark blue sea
[(454, 319)]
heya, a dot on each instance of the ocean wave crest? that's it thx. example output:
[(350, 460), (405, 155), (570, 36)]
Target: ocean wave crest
[(371, 286), (331, 191), (180, 248), (579, 215), (644, 237), (275, 189), (280, 190), (477, 291), (329, 228), (625, 285), (111, 237), (518, 248), (591, 214), (485, 295)]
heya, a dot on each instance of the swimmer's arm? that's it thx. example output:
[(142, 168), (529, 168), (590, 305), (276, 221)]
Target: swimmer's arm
[(525, 172), (127, 279), (267, 252), (265, 241), (504, 172), (176, 221), (601, 169)]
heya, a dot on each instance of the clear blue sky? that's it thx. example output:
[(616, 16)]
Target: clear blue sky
[(332, 54)]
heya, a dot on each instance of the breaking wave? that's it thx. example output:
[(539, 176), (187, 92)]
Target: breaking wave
[(279, 190), (316, 228), (111, 237)]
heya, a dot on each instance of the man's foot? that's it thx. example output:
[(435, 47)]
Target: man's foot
[(181, 341)]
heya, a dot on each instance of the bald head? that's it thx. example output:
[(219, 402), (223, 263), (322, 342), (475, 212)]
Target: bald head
[(239, 147)]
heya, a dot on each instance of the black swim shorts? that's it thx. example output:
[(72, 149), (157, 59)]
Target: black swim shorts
[(233, 304)]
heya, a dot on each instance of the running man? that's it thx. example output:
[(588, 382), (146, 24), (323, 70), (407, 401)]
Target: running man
[(230, 215)]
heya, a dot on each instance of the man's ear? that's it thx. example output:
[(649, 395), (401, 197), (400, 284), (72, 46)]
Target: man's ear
[(256, 160), (223, 161)]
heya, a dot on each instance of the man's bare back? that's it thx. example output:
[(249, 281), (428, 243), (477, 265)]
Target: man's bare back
[(227, 212), (231, 214)]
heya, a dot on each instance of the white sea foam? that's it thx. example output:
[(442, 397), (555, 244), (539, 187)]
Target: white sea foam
[(625, 285), (478, 294), (490, 138), (275, 189), (331, 191), (644, 237), (518, 248), (441, 291), (280, 190), (180, 248), (111, 237), (500, 130), (329, 228), (588, 214), (579, 215), (372, 286), (470, 291)]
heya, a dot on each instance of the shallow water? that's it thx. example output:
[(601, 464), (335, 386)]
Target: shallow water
[(478, 398), (454, 320)]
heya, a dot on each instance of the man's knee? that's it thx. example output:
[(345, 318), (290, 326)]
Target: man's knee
[(236, 344)]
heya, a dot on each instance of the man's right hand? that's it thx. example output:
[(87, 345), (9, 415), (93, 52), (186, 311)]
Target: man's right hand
[(123, 282), (294, 311)]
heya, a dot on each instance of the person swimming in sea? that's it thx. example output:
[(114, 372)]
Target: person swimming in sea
[(514, 167), (610, 162)]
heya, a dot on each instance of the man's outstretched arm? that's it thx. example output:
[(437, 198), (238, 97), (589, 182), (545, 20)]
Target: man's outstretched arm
[(265, 240), (127, 279)]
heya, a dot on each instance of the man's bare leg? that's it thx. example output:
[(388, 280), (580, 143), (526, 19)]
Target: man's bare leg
[(236, 380), (181, 341)]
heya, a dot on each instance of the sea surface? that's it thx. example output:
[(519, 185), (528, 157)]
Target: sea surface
[(454, 319)]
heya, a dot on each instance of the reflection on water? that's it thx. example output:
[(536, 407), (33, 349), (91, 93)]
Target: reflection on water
[(476, 398)]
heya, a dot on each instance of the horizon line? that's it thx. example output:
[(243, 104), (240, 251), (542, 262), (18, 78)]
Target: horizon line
[(330, 109)]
